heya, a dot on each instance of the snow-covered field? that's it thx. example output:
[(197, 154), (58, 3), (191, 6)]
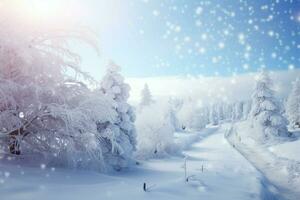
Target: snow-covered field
[(289, 150), (279, 162), (201, 100), (225, 175)]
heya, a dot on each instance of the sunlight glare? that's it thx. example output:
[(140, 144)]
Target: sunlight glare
[(40, 11), (45, 8)]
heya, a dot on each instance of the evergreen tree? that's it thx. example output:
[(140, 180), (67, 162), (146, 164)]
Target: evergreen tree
[(220, 107), (146, 96), (237, 111), (265, 110), (293, 105), (213, 115), (122, 130), (173, 109), (246, 109)]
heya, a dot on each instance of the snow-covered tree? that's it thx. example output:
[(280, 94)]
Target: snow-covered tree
[(220, 111), (155, 134), (173, 109), (237, 111), (293, 105), (47, 110), (43, 109), (213, 115), (186, 113), (122, 131), (200, 118), (146, 96), (226, 111), (246, 109), (265, 111)]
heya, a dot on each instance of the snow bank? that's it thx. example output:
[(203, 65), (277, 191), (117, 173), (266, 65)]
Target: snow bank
[(263, 154), (289, 150)]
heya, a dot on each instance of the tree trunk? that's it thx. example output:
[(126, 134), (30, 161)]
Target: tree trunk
[(14, 145)]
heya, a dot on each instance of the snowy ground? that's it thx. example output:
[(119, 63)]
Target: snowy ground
[(289, 150), (226, 175), (280, 163)]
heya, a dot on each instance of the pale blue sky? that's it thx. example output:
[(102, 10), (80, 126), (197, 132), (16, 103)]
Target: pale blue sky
[(178, 38)]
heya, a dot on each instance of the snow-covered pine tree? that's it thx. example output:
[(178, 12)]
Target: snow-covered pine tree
[(293, 105), (265, 111), (237, 111), (186, 113), (226, 111), (173, 109), (146, 96), (200, 118), (121, 132), (213, 115), (220, 111), (246, 109)]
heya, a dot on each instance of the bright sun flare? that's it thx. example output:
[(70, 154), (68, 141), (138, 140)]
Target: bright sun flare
[(38, 9), (45, 7)]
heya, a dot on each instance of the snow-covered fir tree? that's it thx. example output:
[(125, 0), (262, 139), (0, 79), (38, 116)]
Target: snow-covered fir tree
[(237, 111), (173, 109), (246, 109), (265, 111), (293, 105), (122, 131), (186, 113), (200, 118), (220, 111), (213, 115), (146, 99)]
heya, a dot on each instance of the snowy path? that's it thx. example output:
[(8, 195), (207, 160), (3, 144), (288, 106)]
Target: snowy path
[(287, 172), (226, 175)]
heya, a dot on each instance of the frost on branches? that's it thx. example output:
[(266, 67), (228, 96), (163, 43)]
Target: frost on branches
[(156, 123), (265, 113), (48, 114), (191, 116), (121, 132), (293, 105), (155, 132)]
